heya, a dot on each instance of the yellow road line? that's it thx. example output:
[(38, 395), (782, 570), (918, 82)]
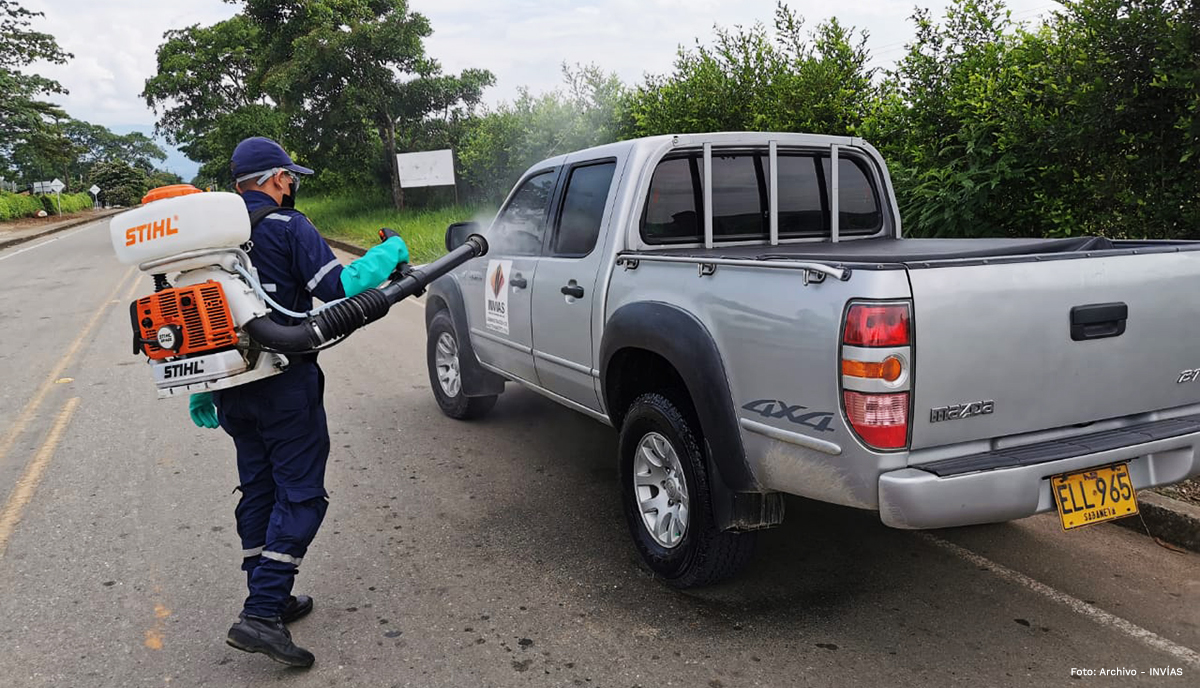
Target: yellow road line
[(39, 396), (29, 480), (132, 290), (154, 636)]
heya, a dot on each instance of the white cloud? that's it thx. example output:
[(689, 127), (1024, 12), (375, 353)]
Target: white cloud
[(114, 42), (524, 42)]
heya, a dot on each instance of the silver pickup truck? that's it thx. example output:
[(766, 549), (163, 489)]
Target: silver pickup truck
[(754, 324)]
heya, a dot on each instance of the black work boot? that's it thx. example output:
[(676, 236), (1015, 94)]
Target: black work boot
[(296, 607), (270, 637)]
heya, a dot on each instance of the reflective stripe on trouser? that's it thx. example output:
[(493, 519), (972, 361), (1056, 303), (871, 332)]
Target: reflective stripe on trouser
[(293, 526), (278, 426)]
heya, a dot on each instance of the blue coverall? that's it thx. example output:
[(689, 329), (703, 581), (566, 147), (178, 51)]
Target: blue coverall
[(278, 423)]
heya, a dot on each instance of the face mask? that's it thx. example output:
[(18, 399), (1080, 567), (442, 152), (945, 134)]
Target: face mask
[(289, 199)]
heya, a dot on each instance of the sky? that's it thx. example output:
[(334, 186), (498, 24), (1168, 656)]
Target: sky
[(523, 42)]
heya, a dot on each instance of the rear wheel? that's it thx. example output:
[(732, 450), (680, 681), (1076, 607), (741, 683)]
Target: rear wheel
[(667, 498), (445, 372)]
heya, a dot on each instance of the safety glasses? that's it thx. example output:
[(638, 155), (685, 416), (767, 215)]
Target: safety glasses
[(267, 174)]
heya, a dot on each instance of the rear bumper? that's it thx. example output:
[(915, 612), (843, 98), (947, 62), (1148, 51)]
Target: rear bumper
[(914, 498)]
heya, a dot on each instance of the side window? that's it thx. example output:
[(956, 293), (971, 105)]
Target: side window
[(671, 209), (583, 209), (801, 203), (739, 207), (522, 224), (858, 206)]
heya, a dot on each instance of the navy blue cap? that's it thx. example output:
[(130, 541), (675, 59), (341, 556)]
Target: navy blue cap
[(258, 154)]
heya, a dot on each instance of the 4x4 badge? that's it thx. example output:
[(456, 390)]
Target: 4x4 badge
[(774, 408)]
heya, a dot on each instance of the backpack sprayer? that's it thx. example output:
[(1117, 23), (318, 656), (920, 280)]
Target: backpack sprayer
[(207, 327)]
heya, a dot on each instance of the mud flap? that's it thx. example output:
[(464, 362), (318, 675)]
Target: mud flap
[(741, 512)]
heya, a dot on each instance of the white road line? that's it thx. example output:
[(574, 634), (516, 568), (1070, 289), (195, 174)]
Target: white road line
[(50, 241), (1184, 654)]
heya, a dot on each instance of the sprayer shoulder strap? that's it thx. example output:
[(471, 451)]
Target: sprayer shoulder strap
[(258, 215)]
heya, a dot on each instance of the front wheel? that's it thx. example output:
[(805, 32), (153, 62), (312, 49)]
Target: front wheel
[(667, 498), (445, 372)]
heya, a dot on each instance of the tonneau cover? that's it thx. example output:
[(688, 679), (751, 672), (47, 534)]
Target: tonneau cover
[(889, 250)]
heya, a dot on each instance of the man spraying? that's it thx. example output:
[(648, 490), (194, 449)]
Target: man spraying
[(278, 424)]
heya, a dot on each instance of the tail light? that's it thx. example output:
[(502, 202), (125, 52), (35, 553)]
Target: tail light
[(877, 325), (881, 420), (876, 356)]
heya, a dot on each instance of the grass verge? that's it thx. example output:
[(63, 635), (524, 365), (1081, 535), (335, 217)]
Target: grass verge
[(356, 219)]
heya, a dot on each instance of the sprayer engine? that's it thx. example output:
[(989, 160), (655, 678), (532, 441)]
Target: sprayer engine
[(178, 324), (205, 327)]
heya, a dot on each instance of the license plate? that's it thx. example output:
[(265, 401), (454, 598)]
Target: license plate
[(1094, 496)]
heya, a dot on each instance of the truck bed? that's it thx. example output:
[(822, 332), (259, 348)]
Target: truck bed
[(921, 252)]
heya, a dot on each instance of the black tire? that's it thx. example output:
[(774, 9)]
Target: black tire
[(456, 404), (703, 555)]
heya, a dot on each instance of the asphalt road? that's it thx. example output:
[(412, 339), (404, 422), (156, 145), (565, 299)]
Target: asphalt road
[(490, 553)]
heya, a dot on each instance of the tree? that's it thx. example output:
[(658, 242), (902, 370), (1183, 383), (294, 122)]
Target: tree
[(120, 183), (751, 80), (345, 71), (503, 142), (158, 178), (941, 124), (207, 93), (1086, 125), (97, 143), (21, 109), (45, 153)]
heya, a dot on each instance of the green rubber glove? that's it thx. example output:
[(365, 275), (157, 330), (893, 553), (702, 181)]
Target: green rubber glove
[(204, 412), (379, 262)]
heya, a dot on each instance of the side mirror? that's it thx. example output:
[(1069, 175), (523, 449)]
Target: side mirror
[(457, 233)]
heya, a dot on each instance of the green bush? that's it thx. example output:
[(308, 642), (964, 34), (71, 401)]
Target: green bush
[(71, 203), (13, 206), (76, 202)]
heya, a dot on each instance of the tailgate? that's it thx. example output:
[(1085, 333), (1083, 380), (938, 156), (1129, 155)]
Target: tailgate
[(996, 354)]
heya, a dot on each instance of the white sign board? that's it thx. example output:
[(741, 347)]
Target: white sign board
[(48, 187), (429, 168), (495, 295), (94, 190)]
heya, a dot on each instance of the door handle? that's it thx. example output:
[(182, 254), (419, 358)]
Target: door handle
[(1098, 321), (573, 290), (518, 281)]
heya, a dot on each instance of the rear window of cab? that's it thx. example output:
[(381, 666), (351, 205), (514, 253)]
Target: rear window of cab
[(674, 211)]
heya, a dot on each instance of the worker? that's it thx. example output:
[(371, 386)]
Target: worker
[(278, 423)]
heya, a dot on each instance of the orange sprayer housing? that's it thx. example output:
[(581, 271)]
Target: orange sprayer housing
[(200, 312), (171, 191)]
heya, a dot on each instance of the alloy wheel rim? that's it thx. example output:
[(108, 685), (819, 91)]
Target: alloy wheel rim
[(446, 363), (661, 490)]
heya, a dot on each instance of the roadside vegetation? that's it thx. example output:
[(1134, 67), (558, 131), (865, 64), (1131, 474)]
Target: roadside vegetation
[(39, 141), (16, 206), (356, 219), (1084, 122)]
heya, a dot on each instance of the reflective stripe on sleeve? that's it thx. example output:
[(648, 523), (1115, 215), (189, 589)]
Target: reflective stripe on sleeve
[(278, 216), (312, 283)]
